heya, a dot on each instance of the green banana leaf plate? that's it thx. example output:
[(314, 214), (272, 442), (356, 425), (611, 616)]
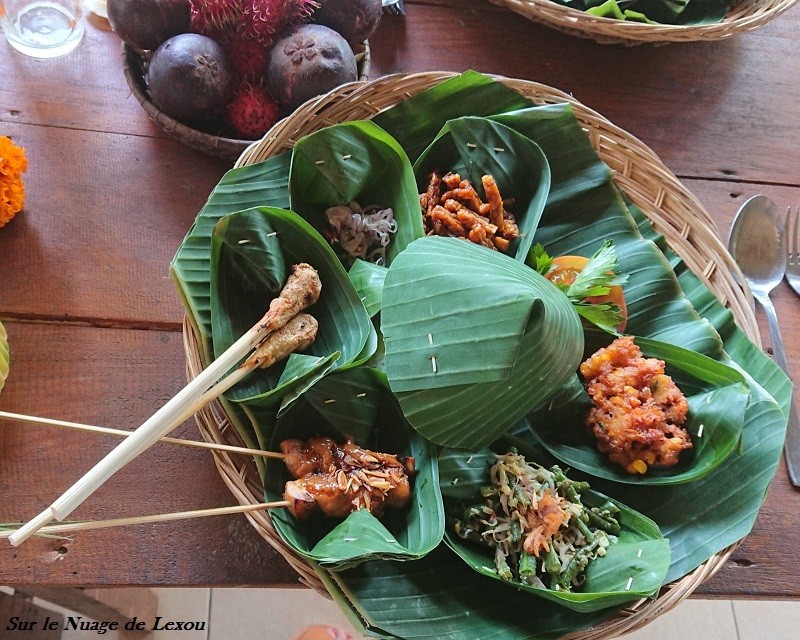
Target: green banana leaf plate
[(717, 395), (633, 567), (438, 595), (365, 410)]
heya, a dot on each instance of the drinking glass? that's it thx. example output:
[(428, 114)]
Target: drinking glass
[(42, 28)]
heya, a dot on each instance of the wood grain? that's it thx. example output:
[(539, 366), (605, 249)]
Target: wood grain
[(94, 318), (117, 378)]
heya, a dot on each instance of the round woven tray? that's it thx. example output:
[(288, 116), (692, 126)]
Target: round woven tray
[(672, 209), (134, 63), (743, 16)]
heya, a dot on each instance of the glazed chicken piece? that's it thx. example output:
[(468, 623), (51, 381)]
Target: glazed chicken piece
[(337, 480), (639, 412), (313, 456)]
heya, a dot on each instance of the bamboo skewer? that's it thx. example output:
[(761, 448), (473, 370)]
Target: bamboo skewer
[(301, 290), (196, 444), (159, 517)]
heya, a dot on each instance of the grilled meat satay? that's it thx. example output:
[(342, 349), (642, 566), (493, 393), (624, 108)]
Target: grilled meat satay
[(301, 290), (297, 334)]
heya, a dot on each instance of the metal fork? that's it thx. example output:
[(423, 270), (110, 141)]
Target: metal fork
[(394, 8), (792, 232)]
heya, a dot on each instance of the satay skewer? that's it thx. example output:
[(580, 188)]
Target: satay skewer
[(302, 289), (70, 527), (79, 426)]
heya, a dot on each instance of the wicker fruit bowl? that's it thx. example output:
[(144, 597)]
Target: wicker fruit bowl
[(211, 143), (742, 17), (668, 206)]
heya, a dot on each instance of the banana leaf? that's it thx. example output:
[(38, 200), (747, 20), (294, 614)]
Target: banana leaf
[(264, 183), (5, 356), (718, 397), (245, 277), (635, 563), (355, 162), (699, 518), (368, 279), (261, 184), (474, 147), (415, 122), (358, 403), (491, 329)]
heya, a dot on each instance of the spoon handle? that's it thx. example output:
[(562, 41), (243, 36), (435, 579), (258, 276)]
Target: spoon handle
[(791, 449)]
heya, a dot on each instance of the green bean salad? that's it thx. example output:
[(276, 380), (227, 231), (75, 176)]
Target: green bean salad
[(533, 517)]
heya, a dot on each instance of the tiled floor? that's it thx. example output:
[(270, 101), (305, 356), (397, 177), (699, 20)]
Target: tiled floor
[(277, 614)]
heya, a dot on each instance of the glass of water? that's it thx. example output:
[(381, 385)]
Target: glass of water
[(42, 28)]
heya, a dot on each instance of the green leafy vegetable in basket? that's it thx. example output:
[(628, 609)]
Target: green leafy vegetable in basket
[(251, 253), (357, 404), (544, 533), (678, 12)]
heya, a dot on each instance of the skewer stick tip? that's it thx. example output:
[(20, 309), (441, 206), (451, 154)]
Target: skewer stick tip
[(30, 528)]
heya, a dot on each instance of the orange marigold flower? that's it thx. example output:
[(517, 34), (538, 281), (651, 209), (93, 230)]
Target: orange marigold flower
[(12, 190)]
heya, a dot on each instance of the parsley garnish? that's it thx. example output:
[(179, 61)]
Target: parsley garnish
[(596, 279)]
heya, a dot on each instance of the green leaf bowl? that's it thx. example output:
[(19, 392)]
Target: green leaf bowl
[(634, 566), (357, 403), (718, 397), (355, 162), (252, 251)]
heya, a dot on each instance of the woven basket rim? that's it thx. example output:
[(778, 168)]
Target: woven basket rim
[(743, 16), (218, 146), (671, 208)]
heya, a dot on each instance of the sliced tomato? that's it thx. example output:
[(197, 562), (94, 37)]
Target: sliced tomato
[(565, 269)]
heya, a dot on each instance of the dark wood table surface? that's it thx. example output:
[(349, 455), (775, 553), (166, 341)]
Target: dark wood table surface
[(94, 322)]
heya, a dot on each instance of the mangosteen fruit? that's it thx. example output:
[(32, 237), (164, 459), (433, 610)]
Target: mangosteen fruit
[(309, 61), (190, 78), (145, 24), (355, 20)]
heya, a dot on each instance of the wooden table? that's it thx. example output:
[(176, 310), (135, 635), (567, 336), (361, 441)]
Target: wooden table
[(95, 324)]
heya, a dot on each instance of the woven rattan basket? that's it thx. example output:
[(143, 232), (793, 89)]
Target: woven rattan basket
[(743, 16), (218, 146), (674, 212)]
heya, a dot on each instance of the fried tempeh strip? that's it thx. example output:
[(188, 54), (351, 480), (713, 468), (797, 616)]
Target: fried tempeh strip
[(448, 220), (495, 202), (431, 196)]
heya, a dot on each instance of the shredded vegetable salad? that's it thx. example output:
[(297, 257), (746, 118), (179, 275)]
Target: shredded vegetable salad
[(361, 232), (535, 521)]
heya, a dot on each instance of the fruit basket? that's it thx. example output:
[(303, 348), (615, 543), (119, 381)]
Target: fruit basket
[(220, 146), (741, 17), (670, 217)]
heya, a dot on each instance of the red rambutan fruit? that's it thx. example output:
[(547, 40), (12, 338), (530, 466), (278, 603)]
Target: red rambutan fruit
[(214, 18), (263, 19), (247, 56), (252, 111)]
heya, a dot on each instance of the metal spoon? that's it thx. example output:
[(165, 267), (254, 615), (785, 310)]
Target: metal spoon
[(758, 245)]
